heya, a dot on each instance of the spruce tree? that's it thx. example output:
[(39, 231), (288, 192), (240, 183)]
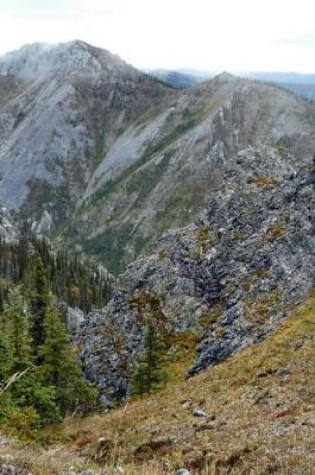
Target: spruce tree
[(29, 391), (18, 328), (149, 375), (39, 299), (60, 368), (6, 356)]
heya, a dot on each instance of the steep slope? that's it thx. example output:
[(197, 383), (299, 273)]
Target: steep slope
[(225, 282), (8, 227), (259, 418), (61, 109), (157, 175), (111, 158)]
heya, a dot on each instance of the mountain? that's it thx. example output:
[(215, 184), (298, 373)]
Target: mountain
[(37, 59), (301, 89), (283, 78), (61, 108), (208, 336), (109, 158), (176, 79), (157, 176), (222, 283), (300, 84)]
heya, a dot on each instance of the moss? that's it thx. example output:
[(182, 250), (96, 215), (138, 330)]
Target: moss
[(264, 182), (231, 288), (238, 236), (162, 254), (276, 231), (209, 318), (218, 332), (202, 234), (246, 286), (262, 273)]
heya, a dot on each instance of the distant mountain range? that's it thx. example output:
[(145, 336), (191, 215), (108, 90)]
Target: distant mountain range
[(300, 84)]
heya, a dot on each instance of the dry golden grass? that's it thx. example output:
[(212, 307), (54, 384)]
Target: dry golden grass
[(260, 407)]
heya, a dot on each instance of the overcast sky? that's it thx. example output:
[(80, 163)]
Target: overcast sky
[(239, 35)]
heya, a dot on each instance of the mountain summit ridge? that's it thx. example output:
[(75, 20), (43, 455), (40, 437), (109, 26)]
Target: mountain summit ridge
[(35, 59), (116, 157)]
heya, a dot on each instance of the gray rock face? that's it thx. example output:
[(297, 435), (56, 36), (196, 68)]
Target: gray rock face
[(116, 158), (32, 61), (158, 173), (44, 226), (61, 109), (75, 318), (231, 277), (8, 229)]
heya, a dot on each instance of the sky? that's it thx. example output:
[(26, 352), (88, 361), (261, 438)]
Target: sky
[(239, 35)]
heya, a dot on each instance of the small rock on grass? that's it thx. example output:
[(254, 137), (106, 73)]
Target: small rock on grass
[(199, 413)]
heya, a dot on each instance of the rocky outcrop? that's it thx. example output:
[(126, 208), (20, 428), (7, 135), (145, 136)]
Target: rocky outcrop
[(8, 228), (229, 278), (75, 318)]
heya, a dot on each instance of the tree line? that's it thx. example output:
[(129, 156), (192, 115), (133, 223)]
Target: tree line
[(77, 282)]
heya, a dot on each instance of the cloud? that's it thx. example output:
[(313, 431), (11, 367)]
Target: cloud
[(201, 34), (300, 41)]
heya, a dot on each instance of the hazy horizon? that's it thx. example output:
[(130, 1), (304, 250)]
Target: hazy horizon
[(243, 36)]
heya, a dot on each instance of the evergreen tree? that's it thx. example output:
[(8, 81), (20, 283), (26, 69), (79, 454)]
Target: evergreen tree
[(6, 357), (60, 368), (39, 299), (28, 391), (18, 329), (149, 375)]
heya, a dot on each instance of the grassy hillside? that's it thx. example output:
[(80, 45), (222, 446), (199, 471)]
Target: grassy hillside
[(260, 418)]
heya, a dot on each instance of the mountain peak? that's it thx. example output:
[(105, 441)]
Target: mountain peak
[(225, 77), (35, 59)]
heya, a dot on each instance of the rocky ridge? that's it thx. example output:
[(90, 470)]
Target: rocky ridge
[(34, 60), (157, 177), (106, 158), (61, 109), (229, 279)]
